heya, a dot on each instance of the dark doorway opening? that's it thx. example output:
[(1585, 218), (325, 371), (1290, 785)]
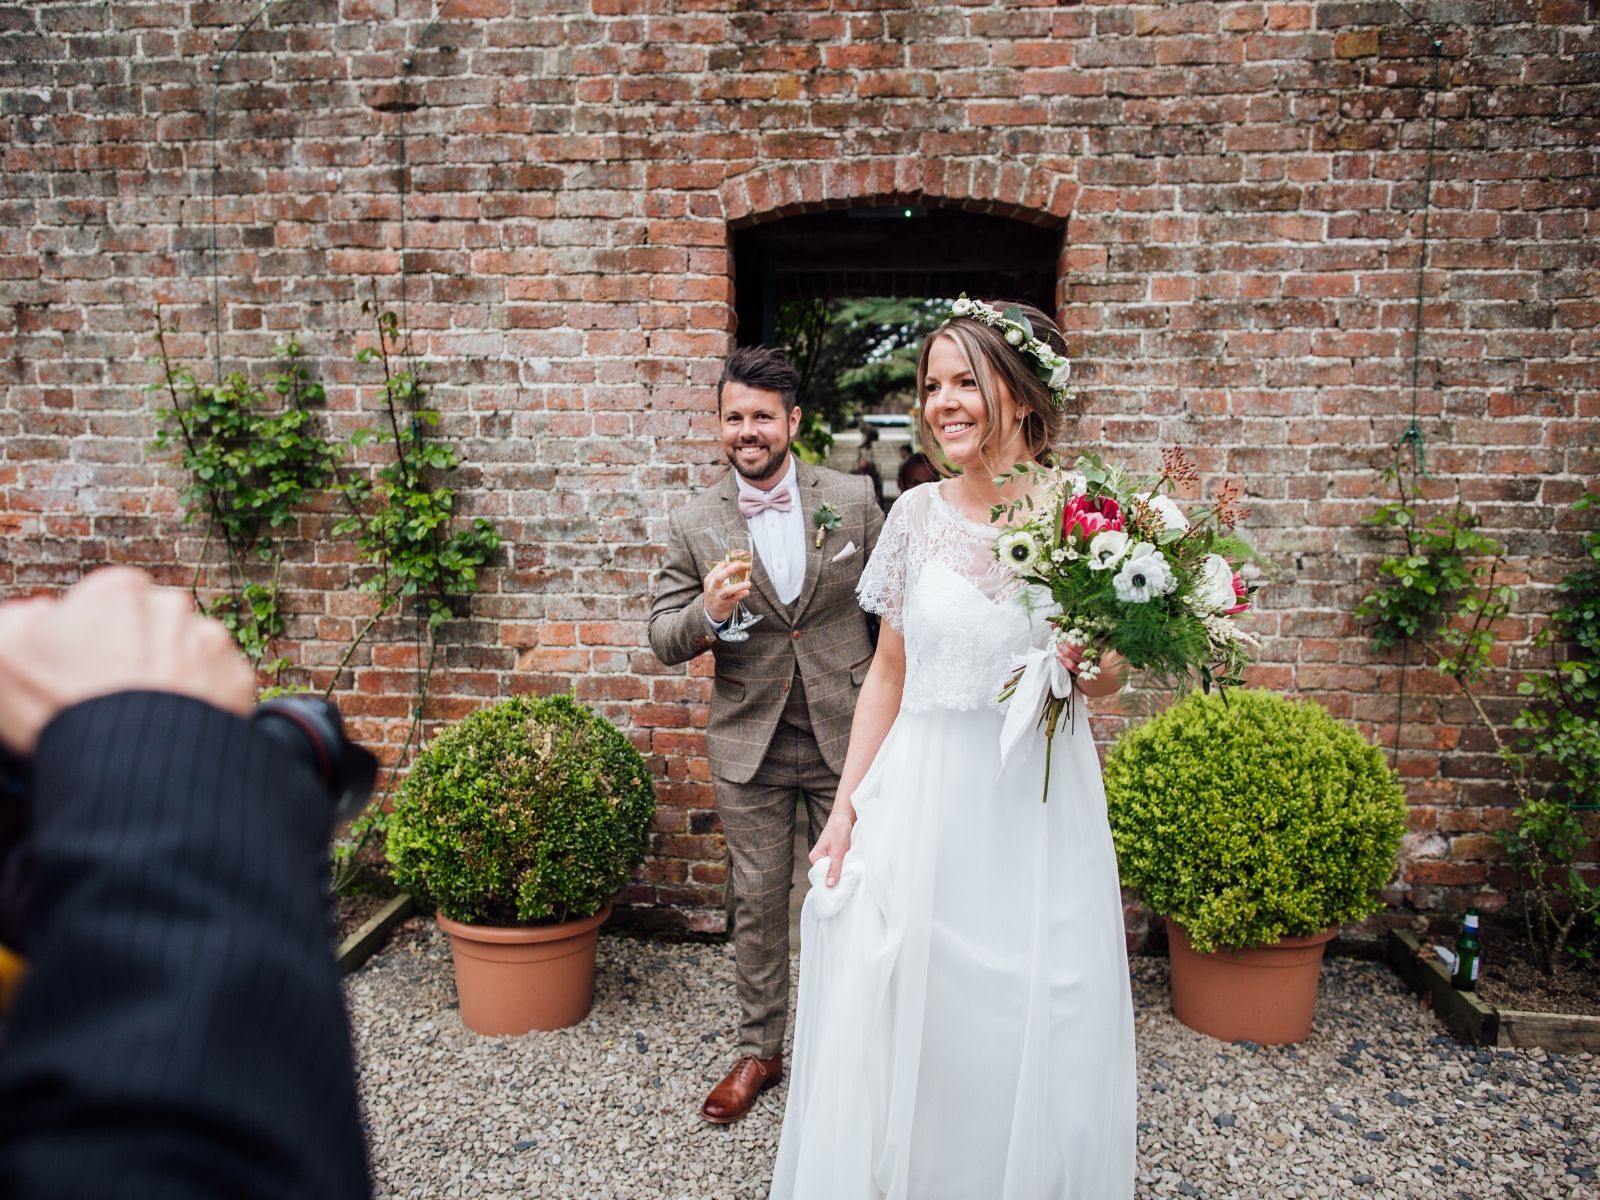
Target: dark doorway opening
[(889, 250), (851, 293)]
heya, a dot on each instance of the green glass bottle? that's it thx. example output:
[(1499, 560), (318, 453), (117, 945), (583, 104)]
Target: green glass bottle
[(1465, 978)]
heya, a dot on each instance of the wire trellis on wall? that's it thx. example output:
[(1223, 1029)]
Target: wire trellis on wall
[(1411, 441), (404, 106), (401, 108), (216, 271)]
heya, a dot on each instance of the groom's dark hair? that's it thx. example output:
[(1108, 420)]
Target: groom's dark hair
[(762, 368)]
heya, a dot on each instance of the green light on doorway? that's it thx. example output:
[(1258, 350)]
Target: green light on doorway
[(909, 213)]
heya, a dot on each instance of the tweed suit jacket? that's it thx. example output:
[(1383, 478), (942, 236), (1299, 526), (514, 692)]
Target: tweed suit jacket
[(824, 631)]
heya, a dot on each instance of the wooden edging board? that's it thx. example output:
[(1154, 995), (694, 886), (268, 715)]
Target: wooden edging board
[(1471, 1020), (1569, 1033), (1467, 1017), (364, 942)]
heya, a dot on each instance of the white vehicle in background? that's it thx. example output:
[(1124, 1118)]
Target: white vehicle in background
[(892, 430)]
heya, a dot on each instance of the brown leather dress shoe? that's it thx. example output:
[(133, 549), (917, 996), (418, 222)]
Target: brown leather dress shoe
[(737, 1092)]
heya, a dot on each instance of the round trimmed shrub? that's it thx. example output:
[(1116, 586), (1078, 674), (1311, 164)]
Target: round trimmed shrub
[(531, 811), (1254, 819)]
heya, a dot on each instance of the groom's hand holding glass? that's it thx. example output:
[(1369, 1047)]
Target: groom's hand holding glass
[(726, 585)]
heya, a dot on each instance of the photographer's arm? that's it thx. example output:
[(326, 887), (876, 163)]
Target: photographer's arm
[(180, 1032), (181, 1028)]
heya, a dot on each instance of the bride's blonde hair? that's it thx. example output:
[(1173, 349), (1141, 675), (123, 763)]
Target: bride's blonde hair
[(994, 363)]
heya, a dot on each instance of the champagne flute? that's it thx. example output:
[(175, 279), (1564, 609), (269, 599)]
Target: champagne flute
[(734, 548)]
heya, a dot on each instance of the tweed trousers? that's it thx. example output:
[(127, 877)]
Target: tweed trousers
[(758, 819)]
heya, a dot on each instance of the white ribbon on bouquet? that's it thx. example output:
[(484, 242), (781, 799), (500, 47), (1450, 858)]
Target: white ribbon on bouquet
[(1042, 673)]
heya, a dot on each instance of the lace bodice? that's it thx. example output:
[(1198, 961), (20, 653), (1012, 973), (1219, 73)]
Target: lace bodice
[(933, 577)]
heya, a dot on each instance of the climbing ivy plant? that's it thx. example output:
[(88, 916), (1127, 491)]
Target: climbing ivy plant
[(402, 517), (1439, 594), (256, 458), (255, 455)]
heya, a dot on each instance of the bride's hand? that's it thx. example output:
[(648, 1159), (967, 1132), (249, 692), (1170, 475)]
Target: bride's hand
[(834, 842), (1113, 676)]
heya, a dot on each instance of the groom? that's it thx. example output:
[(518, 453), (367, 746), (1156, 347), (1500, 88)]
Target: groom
[(783, 700)]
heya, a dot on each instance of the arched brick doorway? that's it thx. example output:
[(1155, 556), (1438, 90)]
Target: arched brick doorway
[(999, 226), (904, 250)]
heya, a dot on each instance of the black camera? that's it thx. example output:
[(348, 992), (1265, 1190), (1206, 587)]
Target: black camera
[(311, 726)]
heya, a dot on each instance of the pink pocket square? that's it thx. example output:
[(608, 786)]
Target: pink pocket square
[(849, 549)]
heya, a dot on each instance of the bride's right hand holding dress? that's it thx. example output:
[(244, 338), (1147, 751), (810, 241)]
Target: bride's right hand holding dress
[(876, 709)]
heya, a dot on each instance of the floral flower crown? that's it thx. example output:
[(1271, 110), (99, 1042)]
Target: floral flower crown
[(1052, 369)]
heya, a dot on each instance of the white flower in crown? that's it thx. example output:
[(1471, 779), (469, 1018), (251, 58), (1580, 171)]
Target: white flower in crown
[(1144, 577), (1051, 368), (1106, 550)]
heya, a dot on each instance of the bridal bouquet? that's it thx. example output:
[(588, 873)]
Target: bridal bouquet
[(1119, 564)]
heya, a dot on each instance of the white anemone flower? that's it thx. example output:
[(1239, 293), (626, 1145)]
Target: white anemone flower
[(1143, 578), (1163, 506), (1018, 550), (1107, 549)]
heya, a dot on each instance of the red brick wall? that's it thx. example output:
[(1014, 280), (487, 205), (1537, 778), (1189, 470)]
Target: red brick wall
[(1237, 185)]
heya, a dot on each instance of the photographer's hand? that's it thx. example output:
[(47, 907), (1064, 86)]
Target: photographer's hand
[(115, 631)]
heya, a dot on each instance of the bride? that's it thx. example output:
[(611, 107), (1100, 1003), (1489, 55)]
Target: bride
[(964, 1026)]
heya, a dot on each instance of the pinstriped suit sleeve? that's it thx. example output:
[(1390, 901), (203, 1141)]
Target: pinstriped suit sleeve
[(678, 626), (181, 1032)]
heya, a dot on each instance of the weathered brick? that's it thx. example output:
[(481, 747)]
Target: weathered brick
[(1241, 189)]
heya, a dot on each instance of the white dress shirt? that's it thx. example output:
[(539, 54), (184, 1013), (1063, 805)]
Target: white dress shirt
[(780, 538)]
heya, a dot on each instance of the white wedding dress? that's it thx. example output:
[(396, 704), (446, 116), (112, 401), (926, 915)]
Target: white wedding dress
[(964, 1024)]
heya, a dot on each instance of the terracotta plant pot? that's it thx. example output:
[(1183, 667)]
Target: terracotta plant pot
[(512, 980), (1265, 994)]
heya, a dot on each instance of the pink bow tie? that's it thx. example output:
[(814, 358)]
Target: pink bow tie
[(778, 500)]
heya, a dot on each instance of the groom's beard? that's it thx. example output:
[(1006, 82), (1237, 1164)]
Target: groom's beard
[(759, 469)]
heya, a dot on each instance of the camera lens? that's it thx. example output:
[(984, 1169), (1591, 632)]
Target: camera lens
[(311, 727)]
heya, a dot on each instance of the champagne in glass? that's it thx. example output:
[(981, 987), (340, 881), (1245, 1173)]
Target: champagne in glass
[(739, 556), (736, 552)]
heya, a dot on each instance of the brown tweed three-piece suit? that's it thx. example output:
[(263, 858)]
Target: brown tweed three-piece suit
[(780, 709)]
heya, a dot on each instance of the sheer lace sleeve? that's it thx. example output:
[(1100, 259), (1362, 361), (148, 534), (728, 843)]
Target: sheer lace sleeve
[(882, 588)]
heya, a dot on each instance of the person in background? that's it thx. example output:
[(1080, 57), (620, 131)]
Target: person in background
[(916, 470), (866, 464)]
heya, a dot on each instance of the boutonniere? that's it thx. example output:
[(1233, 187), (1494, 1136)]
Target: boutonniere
[(826, 518)]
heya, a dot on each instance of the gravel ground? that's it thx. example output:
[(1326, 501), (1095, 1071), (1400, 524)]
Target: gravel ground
[(1379, 1102)]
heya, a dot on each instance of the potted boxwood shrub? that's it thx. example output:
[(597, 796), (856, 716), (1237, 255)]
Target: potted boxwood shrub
[(1255, 826), (520, 822)]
